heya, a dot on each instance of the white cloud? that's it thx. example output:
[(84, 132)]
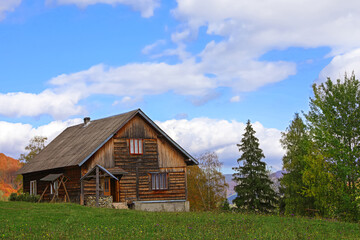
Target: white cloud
[(14, 137), (138, 79), (8, 6), (58, 105), (203, 134), (340, 64), (235, 99), (252, 28), (147, 49), (146, 7)]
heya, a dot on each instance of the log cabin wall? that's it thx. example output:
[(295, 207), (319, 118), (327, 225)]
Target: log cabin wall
[(104, 157), (158, 156), (72, 185)]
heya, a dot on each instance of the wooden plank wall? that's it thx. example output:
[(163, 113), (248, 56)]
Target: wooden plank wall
[(158, 156), (104, 157), (72, 185)]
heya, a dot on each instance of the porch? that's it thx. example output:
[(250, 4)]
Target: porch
[(107, 187)]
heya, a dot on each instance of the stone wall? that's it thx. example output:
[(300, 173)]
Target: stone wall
[(104, 201), (163, 206)]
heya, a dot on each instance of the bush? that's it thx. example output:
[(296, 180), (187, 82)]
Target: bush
[(13, 197), (25, 197)]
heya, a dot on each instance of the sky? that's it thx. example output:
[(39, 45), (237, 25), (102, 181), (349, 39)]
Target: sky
[(199, 68)]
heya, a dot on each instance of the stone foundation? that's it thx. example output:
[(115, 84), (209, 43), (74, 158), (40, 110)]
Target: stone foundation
[(163, 206), (104, 201)]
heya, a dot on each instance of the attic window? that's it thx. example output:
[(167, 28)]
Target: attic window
[(136, 146)]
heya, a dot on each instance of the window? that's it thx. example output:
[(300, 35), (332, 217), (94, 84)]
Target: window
[(159, 181), (136, 146), (54, 188), (33, 190)]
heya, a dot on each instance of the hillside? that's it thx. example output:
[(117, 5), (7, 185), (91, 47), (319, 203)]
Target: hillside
[(22, 220), (8, 181)]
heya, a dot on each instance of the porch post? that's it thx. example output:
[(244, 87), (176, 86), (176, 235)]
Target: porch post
[(97, 186), (81, 192)]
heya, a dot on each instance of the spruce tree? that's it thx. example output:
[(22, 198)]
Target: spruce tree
[(254, 192)]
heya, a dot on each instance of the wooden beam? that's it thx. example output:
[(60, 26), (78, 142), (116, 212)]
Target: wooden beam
[(186, 187), (97, 186), (63, 183), (137, 182), (43, 193), (81, 193)]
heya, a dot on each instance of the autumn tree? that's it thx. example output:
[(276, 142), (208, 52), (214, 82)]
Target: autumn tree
[(254, 191), (36, 144), (296, 142), (206, 183), (334, 123)]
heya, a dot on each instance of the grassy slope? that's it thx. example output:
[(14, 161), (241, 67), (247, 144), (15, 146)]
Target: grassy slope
[(20, 220)]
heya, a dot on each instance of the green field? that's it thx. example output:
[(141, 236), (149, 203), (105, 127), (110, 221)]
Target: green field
[(21, 220)]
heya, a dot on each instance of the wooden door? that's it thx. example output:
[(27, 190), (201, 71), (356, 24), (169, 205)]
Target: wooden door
[(115, 190), (107, 190)]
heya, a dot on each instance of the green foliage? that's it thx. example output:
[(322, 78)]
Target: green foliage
[(334, 123), (206, 184), (24, 197), (297, 144), (226, 206), (320, 184), (36, 144), (21, 220), (254, 192), (13, 197)]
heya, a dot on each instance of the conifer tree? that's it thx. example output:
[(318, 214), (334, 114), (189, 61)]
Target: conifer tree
[(254, 192), (297, 143)]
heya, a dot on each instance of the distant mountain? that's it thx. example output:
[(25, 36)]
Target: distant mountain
[(231, 194), (8, 181)]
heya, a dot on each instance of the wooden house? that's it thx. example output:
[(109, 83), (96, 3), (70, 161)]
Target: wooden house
[(127, 157)]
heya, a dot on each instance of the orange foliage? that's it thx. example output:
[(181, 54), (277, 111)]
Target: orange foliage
[(8, 181)]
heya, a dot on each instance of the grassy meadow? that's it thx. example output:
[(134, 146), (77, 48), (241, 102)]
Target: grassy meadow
[(22, 220)]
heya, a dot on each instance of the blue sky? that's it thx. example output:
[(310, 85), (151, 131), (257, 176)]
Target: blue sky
[(200, 68)]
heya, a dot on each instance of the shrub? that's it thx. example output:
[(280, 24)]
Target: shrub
[(25, 197), (13, 197)]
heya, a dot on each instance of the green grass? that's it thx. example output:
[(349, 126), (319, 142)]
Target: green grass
[(22, 220)]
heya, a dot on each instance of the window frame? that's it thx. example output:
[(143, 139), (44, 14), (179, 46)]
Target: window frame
[(159, 181), (56, 188), (33, 187), (136, 146)]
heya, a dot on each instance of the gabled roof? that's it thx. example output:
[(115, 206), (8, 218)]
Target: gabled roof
[(89, 175), (76, 144)]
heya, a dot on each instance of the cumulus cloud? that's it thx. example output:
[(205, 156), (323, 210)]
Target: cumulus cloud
[(8, 6), (59, 106), (276, 23), (250, 29), (146, 7), (204, 134), (139, 79), (341, 64), (14, 137)]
